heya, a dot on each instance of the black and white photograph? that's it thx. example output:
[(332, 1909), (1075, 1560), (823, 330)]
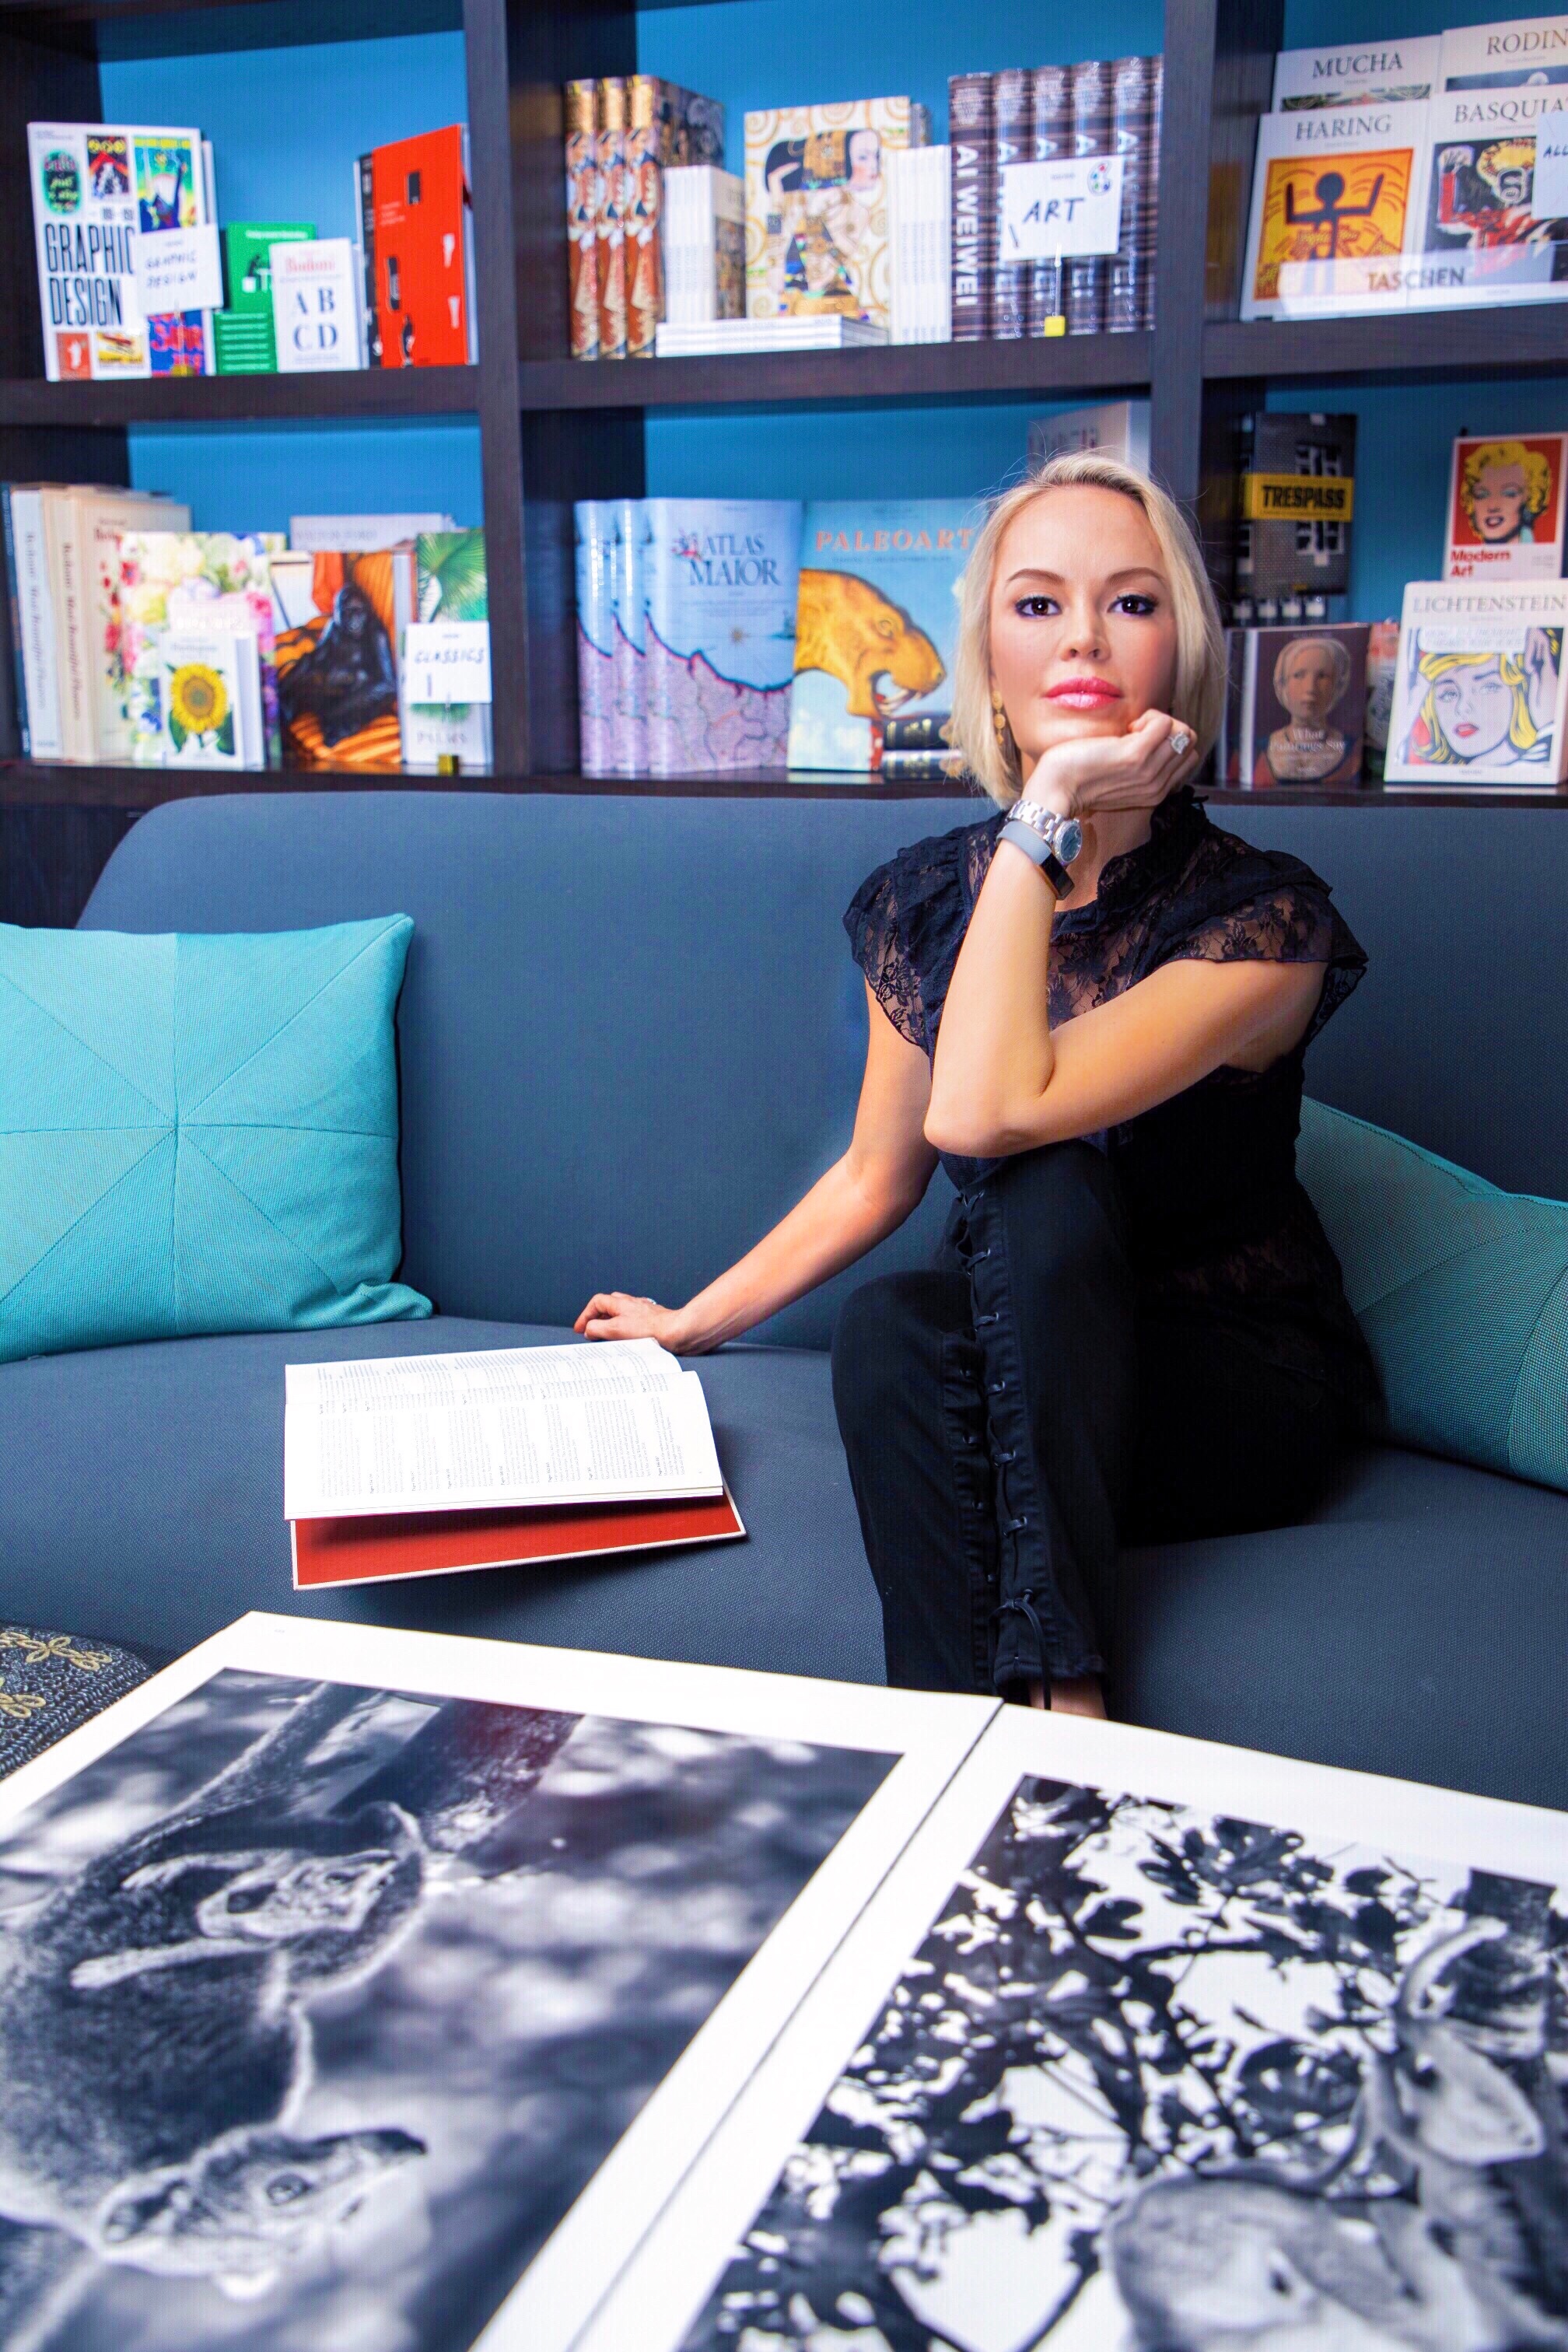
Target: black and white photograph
[(1162, 2080), (321, 2004)]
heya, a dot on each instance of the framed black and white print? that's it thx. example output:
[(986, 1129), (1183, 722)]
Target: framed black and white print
[(374, 1989)]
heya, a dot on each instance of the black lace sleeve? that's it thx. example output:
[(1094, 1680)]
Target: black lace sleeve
[(1294, 922), (906, 924)]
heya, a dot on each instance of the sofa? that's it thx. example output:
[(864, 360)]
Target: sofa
[(629, 1036)]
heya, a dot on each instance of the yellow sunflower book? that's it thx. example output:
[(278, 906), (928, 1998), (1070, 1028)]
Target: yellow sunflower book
[(211, 700)]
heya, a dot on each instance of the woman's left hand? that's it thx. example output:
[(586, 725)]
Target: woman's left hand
[(1094, 774)]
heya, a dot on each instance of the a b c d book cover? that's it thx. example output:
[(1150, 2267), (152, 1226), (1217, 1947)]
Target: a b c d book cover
[(876, 624)]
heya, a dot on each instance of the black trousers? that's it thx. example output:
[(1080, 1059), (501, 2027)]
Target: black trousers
[(1017, 1413)]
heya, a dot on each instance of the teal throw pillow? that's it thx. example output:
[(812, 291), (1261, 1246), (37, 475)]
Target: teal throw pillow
[(1461, 1289), (198, 1134)]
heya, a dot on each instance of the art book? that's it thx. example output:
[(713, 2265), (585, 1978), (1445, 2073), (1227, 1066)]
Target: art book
[(1295, 707), (721, 578), (1297, 472), (335, 622), (1361, 73), (1506, 507), (816, 207), (1338, 205), (583, 219), (83, 528), (876, 623), (185, 582), (416, 226), (1496, 224), (209, 688), (1507, 56), (1146, 2042), (593, 527), (444, 580), (628, 666), (97, 188), (1481, 693)]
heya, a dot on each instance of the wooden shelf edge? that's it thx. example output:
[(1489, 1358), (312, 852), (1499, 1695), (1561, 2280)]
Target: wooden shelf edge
[(890, 372), (1381, 796), (29, 400), (1422, 342)]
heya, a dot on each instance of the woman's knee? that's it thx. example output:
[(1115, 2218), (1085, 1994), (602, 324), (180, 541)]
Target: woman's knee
[(885, 1329)]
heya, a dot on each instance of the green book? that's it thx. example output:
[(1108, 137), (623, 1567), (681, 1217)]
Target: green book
[(245, 341)]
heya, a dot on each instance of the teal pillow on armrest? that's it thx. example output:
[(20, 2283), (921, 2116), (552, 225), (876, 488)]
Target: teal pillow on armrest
[(198, 1134), (1461, 1289)]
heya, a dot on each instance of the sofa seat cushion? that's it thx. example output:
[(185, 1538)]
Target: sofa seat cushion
[(146, 1494), (50, 1683)]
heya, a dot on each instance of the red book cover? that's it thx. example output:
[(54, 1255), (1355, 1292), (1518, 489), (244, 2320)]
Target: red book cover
[(419, 224), (441, 1543)]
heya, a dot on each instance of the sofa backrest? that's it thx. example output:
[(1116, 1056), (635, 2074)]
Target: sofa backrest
[(631, 1033)]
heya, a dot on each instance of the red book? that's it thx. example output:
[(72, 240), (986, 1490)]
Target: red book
[(440, 1543), (417, 229)]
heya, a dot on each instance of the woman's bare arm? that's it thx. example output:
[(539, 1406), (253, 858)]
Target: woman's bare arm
[(863, 1197)]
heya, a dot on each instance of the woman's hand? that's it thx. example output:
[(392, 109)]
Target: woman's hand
[(616, 1315), (1090, 775)]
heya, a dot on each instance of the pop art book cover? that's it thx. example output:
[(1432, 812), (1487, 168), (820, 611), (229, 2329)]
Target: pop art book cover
[(1506, 507), (1337, 204), (1481, 684), (876, 623)]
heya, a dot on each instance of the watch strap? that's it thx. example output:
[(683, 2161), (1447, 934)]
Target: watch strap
[(1039, 853)]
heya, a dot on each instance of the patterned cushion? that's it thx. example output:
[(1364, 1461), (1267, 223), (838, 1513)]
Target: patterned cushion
[(198, 1134), (51, 1682)]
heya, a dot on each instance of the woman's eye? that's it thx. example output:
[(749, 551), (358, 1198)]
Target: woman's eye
[(1140, 607), (1036, 608)]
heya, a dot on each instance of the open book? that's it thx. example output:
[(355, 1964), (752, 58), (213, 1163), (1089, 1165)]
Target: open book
[(415, 1465), (565, 2002)]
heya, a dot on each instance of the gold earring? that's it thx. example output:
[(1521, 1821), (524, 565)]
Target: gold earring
[(999, 720)]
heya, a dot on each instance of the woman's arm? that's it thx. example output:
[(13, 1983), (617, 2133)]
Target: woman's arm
[(1005, 1081), (863, 1197)]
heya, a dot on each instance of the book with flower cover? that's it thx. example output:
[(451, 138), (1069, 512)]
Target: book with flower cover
[(184, 582), (209, 695)]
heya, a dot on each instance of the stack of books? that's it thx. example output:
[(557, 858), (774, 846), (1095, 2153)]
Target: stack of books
[(624, 133), (733, 335)]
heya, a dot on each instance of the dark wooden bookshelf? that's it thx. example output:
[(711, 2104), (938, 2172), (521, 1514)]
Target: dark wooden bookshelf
[(1522, 339), (29, 400), (1062, 367)]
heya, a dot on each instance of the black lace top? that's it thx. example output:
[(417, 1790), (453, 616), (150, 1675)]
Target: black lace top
[(1216, 1214)]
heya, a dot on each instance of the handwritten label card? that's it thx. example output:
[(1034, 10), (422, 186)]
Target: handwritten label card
[(1072, 206), (1549, 199), (447, 661), (178, 269)]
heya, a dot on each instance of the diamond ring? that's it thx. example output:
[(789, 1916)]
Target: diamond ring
[(1181, 742)]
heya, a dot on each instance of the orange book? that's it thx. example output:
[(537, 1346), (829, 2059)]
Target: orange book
[(443, 1543), (418, 237)]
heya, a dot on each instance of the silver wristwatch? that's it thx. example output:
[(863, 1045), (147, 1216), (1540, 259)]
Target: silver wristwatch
[(1052, 842)]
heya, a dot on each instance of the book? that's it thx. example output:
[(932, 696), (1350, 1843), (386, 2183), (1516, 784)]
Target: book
[(445, 574), (593, 528), (919, 243), (418, 249), (652, 144), (184, 583), (628, 666), (1382, 669), (1364, 73), (1296, 710), (1084, 275), (360, 533), (876, 623), (1479, 695), (1296, 504), (801, 334), (245, 337), (209, 689), (1012, 142), (1118, 427), (383, 1551), (1136, 86), (1508, 55), (81, 527), (704, 244), (97, 188), (816, 213), (316, 310), (33, 633), (721, 576), (1051, 137), (583, 189), (1506, 507), (613, 196), (1338, 200), (971, 127), (1489, 235), (335, 622)]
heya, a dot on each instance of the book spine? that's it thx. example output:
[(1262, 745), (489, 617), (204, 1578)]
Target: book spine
[(1151, 200), (582, 221), (691, 246), (1012, 110), (370, 316), (969, 102), (1134, 98), (629, 729), (71, 616), (919, 244), (611, 147), (18, 669), (1083, 276), (651, 139), (1050, 139), (39, 654), (595, 637), (702, 121)]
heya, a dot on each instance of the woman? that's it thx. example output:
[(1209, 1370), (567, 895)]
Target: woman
[(1311, 676), (1136, 1327)]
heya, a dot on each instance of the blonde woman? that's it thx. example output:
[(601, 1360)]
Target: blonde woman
[(1093, 1008), (1505, 490)]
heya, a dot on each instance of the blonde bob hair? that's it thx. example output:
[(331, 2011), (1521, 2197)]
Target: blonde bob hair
[(1197, 697)]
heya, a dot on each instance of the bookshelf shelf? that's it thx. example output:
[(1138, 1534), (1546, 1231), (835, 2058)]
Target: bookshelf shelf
[(1528, 340), (241, 399), (1065, 364)]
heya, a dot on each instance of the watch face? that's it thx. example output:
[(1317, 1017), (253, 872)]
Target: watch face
[(1069, 840)]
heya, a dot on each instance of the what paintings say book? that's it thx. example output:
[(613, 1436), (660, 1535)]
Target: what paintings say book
[(876, 623)]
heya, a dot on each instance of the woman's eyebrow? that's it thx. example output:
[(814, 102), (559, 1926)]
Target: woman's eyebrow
[(1133, 571)]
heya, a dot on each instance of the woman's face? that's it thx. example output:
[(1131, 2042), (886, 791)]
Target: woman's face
[(865, 159), (1473, 707), (1500, 496), (1308, 689), (1083, 627)]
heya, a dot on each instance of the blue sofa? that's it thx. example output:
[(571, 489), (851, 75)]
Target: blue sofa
[(630, 1036)]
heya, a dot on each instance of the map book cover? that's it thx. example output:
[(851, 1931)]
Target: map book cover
[(816, 207), (1481, 686), (876, 623), (1365, 73), (1338, 209), (335, 624), (1506, 507), (97, 187), (1492, 233), (186, 582), (720, 583), (242, 331)]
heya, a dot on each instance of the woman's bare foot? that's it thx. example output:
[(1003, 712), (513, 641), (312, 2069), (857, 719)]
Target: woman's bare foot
[(1083, 1697)]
